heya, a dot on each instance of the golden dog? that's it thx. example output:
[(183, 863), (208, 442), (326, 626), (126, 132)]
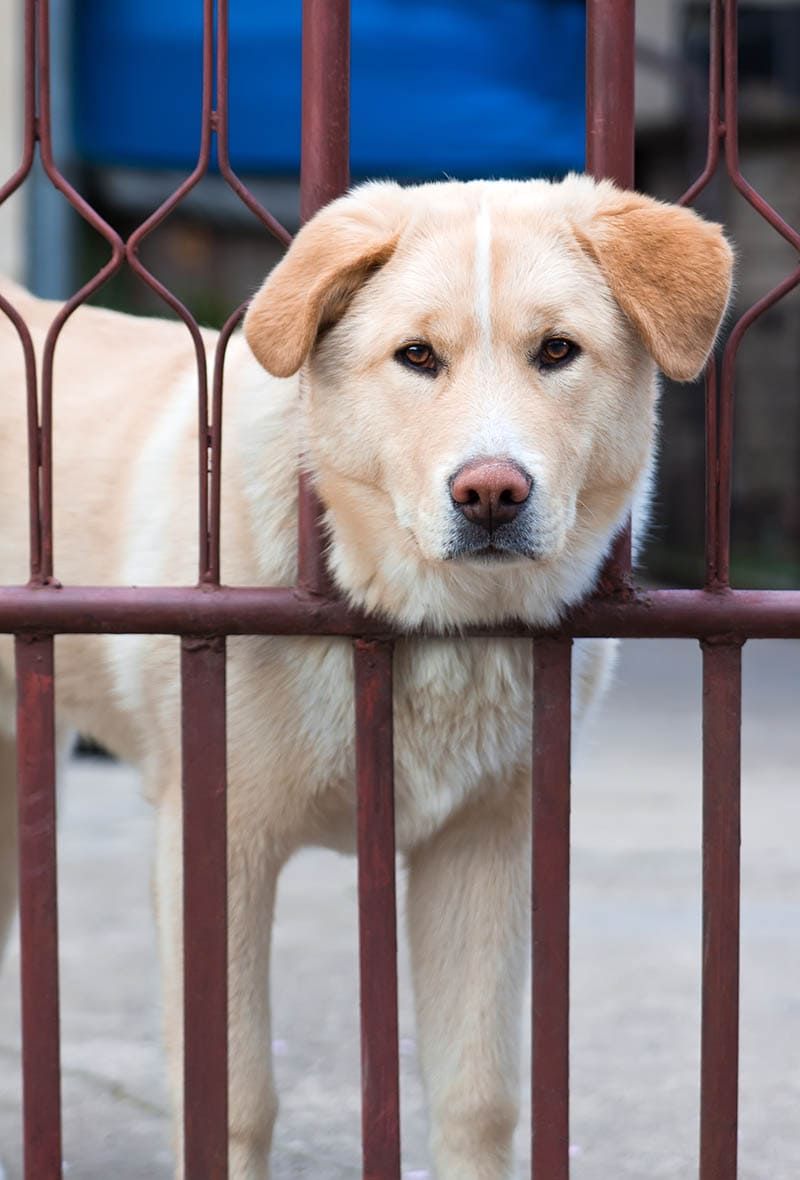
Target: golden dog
[(478, 414)]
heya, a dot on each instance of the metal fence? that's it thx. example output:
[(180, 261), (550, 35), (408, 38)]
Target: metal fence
[(720, 617)]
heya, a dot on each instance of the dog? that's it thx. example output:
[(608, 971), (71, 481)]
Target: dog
[(478, 412)]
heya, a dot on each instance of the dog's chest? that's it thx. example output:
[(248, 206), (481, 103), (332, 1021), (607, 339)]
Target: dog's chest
[(462, 724)]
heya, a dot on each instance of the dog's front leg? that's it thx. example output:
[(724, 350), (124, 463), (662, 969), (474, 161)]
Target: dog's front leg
[(252, 877), (468, 914)]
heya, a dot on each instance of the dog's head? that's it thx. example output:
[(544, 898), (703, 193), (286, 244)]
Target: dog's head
[(481, 371)]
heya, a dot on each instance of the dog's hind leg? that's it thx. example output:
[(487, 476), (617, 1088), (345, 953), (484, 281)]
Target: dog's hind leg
[(252, 878), (468, 915)]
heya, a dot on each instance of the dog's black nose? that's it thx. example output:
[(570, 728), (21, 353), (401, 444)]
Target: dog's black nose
[(490, 492)]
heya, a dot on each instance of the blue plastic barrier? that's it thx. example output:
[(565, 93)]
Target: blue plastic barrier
[(462, 87)]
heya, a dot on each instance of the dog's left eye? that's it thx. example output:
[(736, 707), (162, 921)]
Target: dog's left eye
[(418, 356), (556, 351)]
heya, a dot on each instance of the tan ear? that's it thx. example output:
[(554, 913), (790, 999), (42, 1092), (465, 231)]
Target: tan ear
[(669, 271), (327, 262)]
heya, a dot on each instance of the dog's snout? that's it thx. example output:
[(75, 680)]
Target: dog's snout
[(490, 492)]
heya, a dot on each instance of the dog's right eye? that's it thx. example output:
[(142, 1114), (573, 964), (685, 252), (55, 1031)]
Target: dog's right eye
[(418, 356)]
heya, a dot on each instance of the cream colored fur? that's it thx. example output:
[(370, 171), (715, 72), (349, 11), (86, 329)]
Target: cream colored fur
[(483, 272)]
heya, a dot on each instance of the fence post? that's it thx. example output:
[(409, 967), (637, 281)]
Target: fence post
[(610, 135), (205, 908), (324, 175), (36, 776), (719, 1093), (552, 707), (377, 911)]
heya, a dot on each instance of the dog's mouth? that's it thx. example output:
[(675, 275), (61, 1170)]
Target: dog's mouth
[(492, 555), (508, 541)]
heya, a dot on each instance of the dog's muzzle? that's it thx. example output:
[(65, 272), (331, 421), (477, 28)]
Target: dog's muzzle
[(491, 499)]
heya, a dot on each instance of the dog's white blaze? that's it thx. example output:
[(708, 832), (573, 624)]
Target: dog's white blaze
[(483, 271), (494, 435)]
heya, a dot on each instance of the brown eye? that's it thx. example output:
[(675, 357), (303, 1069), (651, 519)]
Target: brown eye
[(418, 356), (556, 351)]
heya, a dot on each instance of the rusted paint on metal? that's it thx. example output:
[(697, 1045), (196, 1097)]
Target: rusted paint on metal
[(377, 908), (325, 127), (29, 138), (36, 784), (132, 247), (610, 73), (722, 722), (168, 610), (205, 909), (33, 440), (552, 662), (716, 130), (712, 474), (324, 175), (115, 261), (610, 62), (221, 126)]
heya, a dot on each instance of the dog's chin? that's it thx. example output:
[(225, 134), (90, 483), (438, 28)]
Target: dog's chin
[(492, 555)]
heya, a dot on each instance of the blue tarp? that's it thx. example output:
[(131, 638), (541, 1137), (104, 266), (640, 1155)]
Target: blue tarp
[(462, 87)]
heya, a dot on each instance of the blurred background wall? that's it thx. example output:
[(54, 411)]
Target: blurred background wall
[(440, 87), (11, 224), (672, 103)]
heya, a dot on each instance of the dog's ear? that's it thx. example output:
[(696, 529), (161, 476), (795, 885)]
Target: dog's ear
[(327, 262), (670, 272)]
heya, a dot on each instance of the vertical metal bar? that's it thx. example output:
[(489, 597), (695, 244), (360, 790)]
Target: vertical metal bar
[(205, 435), (130, 250), (52, 248), (716, 131), (722, 716), (223, 146), (325, 150), (716, 128), (324, 174), (32, 413), (552, 665), (214, 569), (380, 1111), (44, 449), (29, 136), (724, 479), (36, 770), (610, 27), (29, 131), (205, 909), (712, 473), (210, 574), (610, 134), (44, 130)]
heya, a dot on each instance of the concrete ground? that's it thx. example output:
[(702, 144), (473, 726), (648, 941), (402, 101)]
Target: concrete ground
[(636, 958)]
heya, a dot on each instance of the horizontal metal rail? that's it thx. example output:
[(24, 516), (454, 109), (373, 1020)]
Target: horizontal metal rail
[(234, 610)]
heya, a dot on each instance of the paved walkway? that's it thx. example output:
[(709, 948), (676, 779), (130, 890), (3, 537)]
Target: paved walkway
[(636, 936)]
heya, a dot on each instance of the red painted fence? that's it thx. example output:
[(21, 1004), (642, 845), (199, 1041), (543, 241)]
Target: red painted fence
[(720, 617)]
